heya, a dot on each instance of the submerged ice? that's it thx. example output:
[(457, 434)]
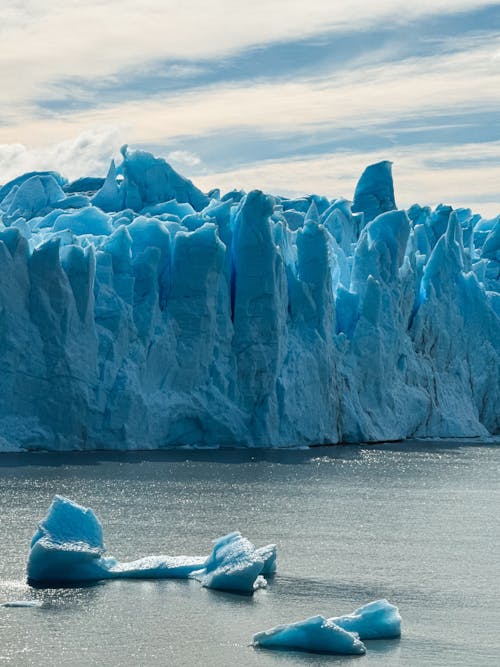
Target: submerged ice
[(139, 312), (68, 548)]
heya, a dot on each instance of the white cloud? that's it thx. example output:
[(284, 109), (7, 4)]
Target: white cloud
[(464, 175), (88, 154), (422, 174), (45, 41), (180, 159), (364, 98)]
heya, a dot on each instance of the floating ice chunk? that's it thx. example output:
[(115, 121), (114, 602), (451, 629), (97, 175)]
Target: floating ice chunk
[(68, 548), (235, 565), (23, 604), (268, 553), (68, 545), (375, 620), (154, 567), (312, 634)]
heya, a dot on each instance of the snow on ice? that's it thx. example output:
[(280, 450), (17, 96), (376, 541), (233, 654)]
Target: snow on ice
[(139, 312)]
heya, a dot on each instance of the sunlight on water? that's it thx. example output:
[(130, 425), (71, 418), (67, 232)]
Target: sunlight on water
[(416, 524)]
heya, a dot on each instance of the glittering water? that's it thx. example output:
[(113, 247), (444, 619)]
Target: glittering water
[(417, 524)]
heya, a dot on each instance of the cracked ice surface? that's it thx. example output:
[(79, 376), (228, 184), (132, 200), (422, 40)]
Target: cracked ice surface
[(139, 312)]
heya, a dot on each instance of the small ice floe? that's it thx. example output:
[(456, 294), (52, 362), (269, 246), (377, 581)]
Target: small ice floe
[(317, 634), (68, 548), (339, 634)]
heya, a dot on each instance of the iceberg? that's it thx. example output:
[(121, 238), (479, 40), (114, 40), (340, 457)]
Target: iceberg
[(139, 312), (316, 634), (68, 548)]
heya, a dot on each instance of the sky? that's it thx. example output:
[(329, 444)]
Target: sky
[(288, 96)]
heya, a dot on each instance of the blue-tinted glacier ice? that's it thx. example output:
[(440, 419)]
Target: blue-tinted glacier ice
[(139, 312), (68, 548), (23, 604), (236, 565), (340, 634), (376, 620), (316, 634)]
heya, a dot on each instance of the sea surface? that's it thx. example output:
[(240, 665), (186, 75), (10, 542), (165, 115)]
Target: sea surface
[(416, 523)]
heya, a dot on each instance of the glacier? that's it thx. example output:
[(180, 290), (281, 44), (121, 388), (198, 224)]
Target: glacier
[(68, 548), (139, 312)]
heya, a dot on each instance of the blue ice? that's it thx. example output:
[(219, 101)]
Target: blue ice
[(236, 565), (137, 311), (68, 548), (316, 634), (376, 620), (340, 634)]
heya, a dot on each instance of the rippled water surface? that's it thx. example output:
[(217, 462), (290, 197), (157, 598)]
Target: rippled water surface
[(417, 523)]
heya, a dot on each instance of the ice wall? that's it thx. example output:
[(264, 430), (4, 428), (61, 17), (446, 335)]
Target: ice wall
[(138, 312)]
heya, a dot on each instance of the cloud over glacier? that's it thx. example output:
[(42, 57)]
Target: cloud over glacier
[(87, 153)]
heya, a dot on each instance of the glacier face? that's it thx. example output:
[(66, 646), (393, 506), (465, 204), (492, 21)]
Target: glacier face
[(139, 312)]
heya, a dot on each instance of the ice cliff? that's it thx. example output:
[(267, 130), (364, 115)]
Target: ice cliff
[(138, 312)]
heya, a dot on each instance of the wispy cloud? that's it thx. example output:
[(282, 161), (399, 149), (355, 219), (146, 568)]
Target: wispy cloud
[(359, 98), (220, 85), (84, 155), (298, 58), (100, 38), (419, 175)]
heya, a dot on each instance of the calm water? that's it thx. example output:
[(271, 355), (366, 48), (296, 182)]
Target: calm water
[(417, 524)]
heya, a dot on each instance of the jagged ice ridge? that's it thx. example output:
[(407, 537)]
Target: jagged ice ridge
[(138, 312)]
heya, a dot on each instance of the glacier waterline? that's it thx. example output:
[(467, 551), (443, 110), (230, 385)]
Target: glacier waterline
[(417, 523), (149, 314)]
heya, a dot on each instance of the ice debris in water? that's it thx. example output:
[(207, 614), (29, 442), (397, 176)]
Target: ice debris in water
[(137, 311), (23, 604), (235, 564), (68, 548), (375, 620), (312, 634), (340, 634)]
